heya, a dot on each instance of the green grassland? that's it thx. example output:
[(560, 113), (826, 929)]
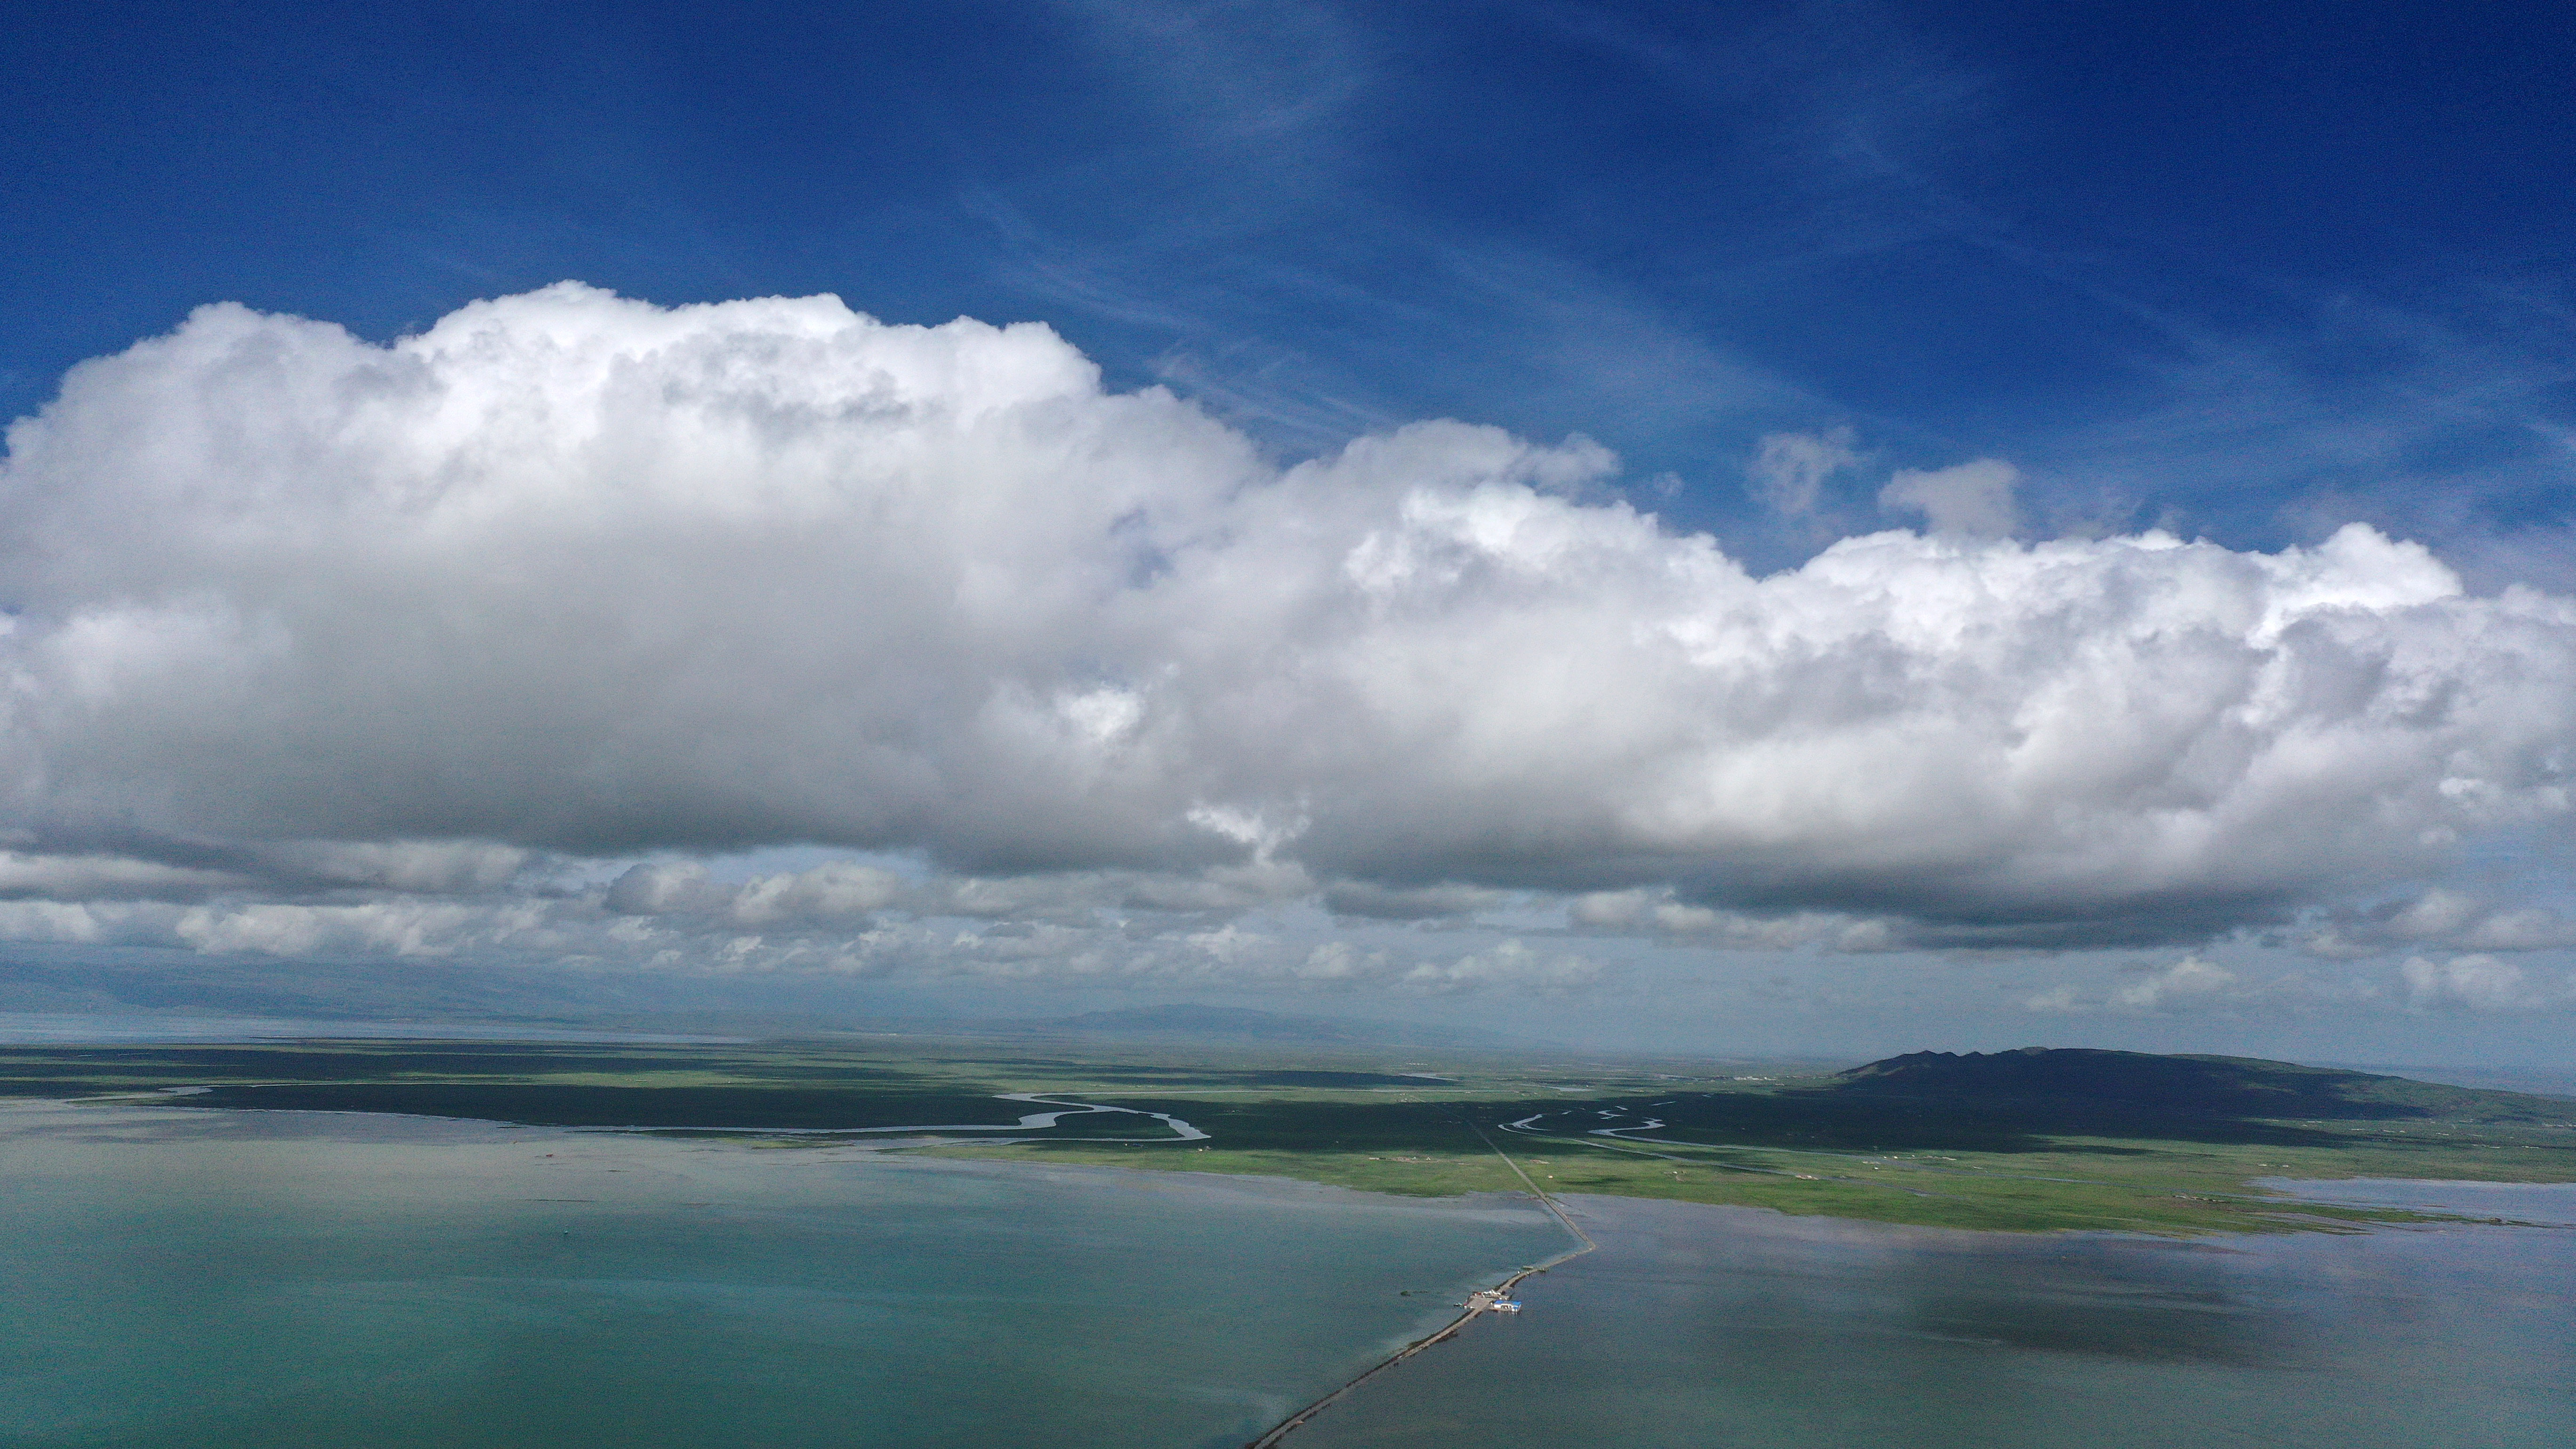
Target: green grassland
[(1944, 1142)]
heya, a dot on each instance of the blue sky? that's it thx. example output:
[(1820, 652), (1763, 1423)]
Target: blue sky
[(2248, 270), (2017, 276)]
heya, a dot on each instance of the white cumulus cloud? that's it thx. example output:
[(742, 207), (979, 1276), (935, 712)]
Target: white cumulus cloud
[(2440, 917), (1790, 472), (2186, 983), (1974, 498), (2482, 983), (572, 575)]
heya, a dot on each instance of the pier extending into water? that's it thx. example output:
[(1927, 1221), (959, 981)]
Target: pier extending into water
[(1484, 1300)]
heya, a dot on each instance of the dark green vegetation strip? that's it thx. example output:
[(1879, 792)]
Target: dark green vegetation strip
[(2014, 1140)]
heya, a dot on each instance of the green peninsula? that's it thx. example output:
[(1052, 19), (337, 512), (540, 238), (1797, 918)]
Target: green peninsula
[(2027, 1140)]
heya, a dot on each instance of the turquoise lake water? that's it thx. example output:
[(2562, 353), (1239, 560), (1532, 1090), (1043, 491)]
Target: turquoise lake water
[(213, 1279), (284, 1280), (1699, 1327)]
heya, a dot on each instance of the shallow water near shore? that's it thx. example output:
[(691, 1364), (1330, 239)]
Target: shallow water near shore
[(1696, 1327), (210, 1278), (172, 1277)]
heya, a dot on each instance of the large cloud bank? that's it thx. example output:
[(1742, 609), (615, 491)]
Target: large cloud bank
[(574, 575)]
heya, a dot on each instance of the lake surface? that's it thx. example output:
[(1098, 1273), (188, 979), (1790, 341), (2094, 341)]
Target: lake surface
[(172, 1277), (1704, 1327), (298, 1280)]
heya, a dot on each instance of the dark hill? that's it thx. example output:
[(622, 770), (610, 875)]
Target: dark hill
[(2205, 1087)]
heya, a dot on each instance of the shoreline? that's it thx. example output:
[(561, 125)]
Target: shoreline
[(1818, 1226), (1281, 1430), (1709, 1324), (1800, 1152), (711, 1257), (2282, 1192)]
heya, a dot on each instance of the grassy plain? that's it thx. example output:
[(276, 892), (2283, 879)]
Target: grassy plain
[(1400, 1121)]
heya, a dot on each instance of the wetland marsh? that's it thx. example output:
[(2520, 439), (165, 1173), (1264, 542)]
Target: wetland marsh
[(902, 1242), (1797, 1139)]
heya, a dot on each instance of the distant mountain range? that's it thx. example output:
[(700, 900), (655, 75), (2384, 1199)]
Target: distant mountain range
[(114, 983), (1237, 1024), (2182, 1086)]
